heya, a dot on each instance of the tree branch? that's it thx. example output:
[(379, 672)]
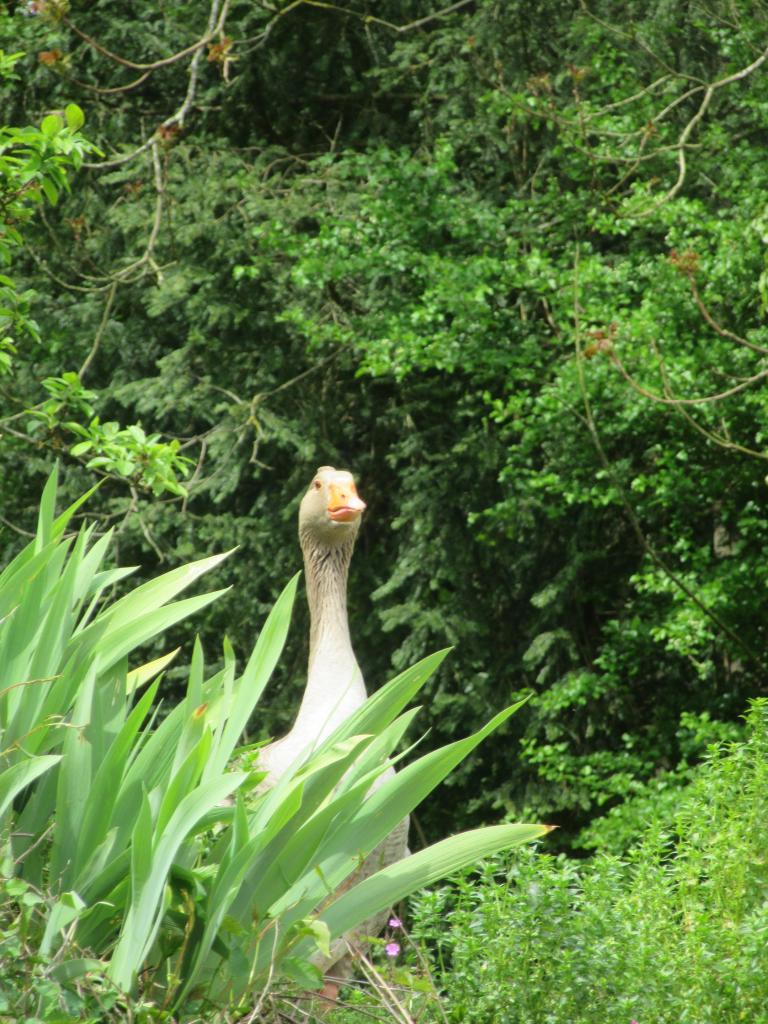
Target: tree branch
[(216, 22), (211, 31)]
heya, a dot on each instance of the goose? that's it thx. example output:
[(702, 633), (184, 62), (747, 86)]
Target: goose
[(330, 515)]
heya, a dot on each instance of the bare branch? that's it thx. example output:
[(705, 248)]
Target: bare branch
[(216, 21), (694, 121), (211, 31), (111, 91), (144, 528), (635, 96), (16, 529), (635, 40), (129, 273), (368, 19), (661, 399), (722, 331), (421, 21), (710, 435), (100, 332)]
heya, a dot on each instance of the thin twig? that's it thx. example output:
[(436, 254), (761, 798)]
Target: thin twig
[(385, 991), (110, 91), (257, 399), (426, 970), (275, 925), (144, 528), (100, 332), (635, 96), (368, 19), (16, 529), (420, 22), (636, 40), (36, 843), (93, 289)]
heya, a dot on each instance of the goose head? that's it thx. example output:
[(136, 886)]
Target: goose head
[(330, 511)]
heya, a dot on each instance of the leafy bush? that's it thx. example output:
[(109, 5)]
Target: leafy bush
[(114, 818), (35, 987), (657, 800), (675, 933)]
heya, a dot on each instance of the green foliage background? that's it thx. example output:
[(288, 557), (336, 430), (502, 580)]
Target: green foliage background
[(388, 238)]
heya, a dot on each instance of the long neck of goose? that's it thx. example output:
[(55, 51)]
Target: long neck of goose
[(335, 685)]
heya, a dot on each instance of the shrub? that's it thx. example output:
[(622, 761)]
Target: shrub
[(674, 933)]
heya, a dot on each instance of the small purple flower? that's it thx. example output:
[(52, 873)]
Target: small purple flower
[(395, 922), (392, 949)]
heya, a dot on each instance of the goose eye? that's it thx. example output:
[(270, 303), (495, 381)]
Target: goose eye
[(317, 485)]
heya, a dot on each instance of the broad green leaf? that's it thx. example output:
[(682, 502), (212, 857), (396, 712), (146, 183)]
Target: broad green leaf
[(227, 885), (67, 908), (15, 779), (395, 882), (256, 674), (382, 746), (380, 709), (97, 820), (195, 682), (184, 778), (47, 509), (99, 583), (62, 521), (141, 847), (74, 116), (140, 676), (292, 850), (382, 811), (74, 783), (113, 645), (290, 874), (150, 764), (302, 972), (319, 932), (23, 571), (143, 917), (51, 125), (51, 192), (71, 970), (160, 591)]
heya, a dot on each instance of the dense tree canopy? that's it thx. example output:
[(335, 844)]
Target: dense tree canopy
[(504, 260)]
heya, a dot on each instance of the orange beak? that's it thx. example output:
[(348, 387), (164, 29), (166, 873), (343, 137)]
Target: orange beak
[(344, 504)]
